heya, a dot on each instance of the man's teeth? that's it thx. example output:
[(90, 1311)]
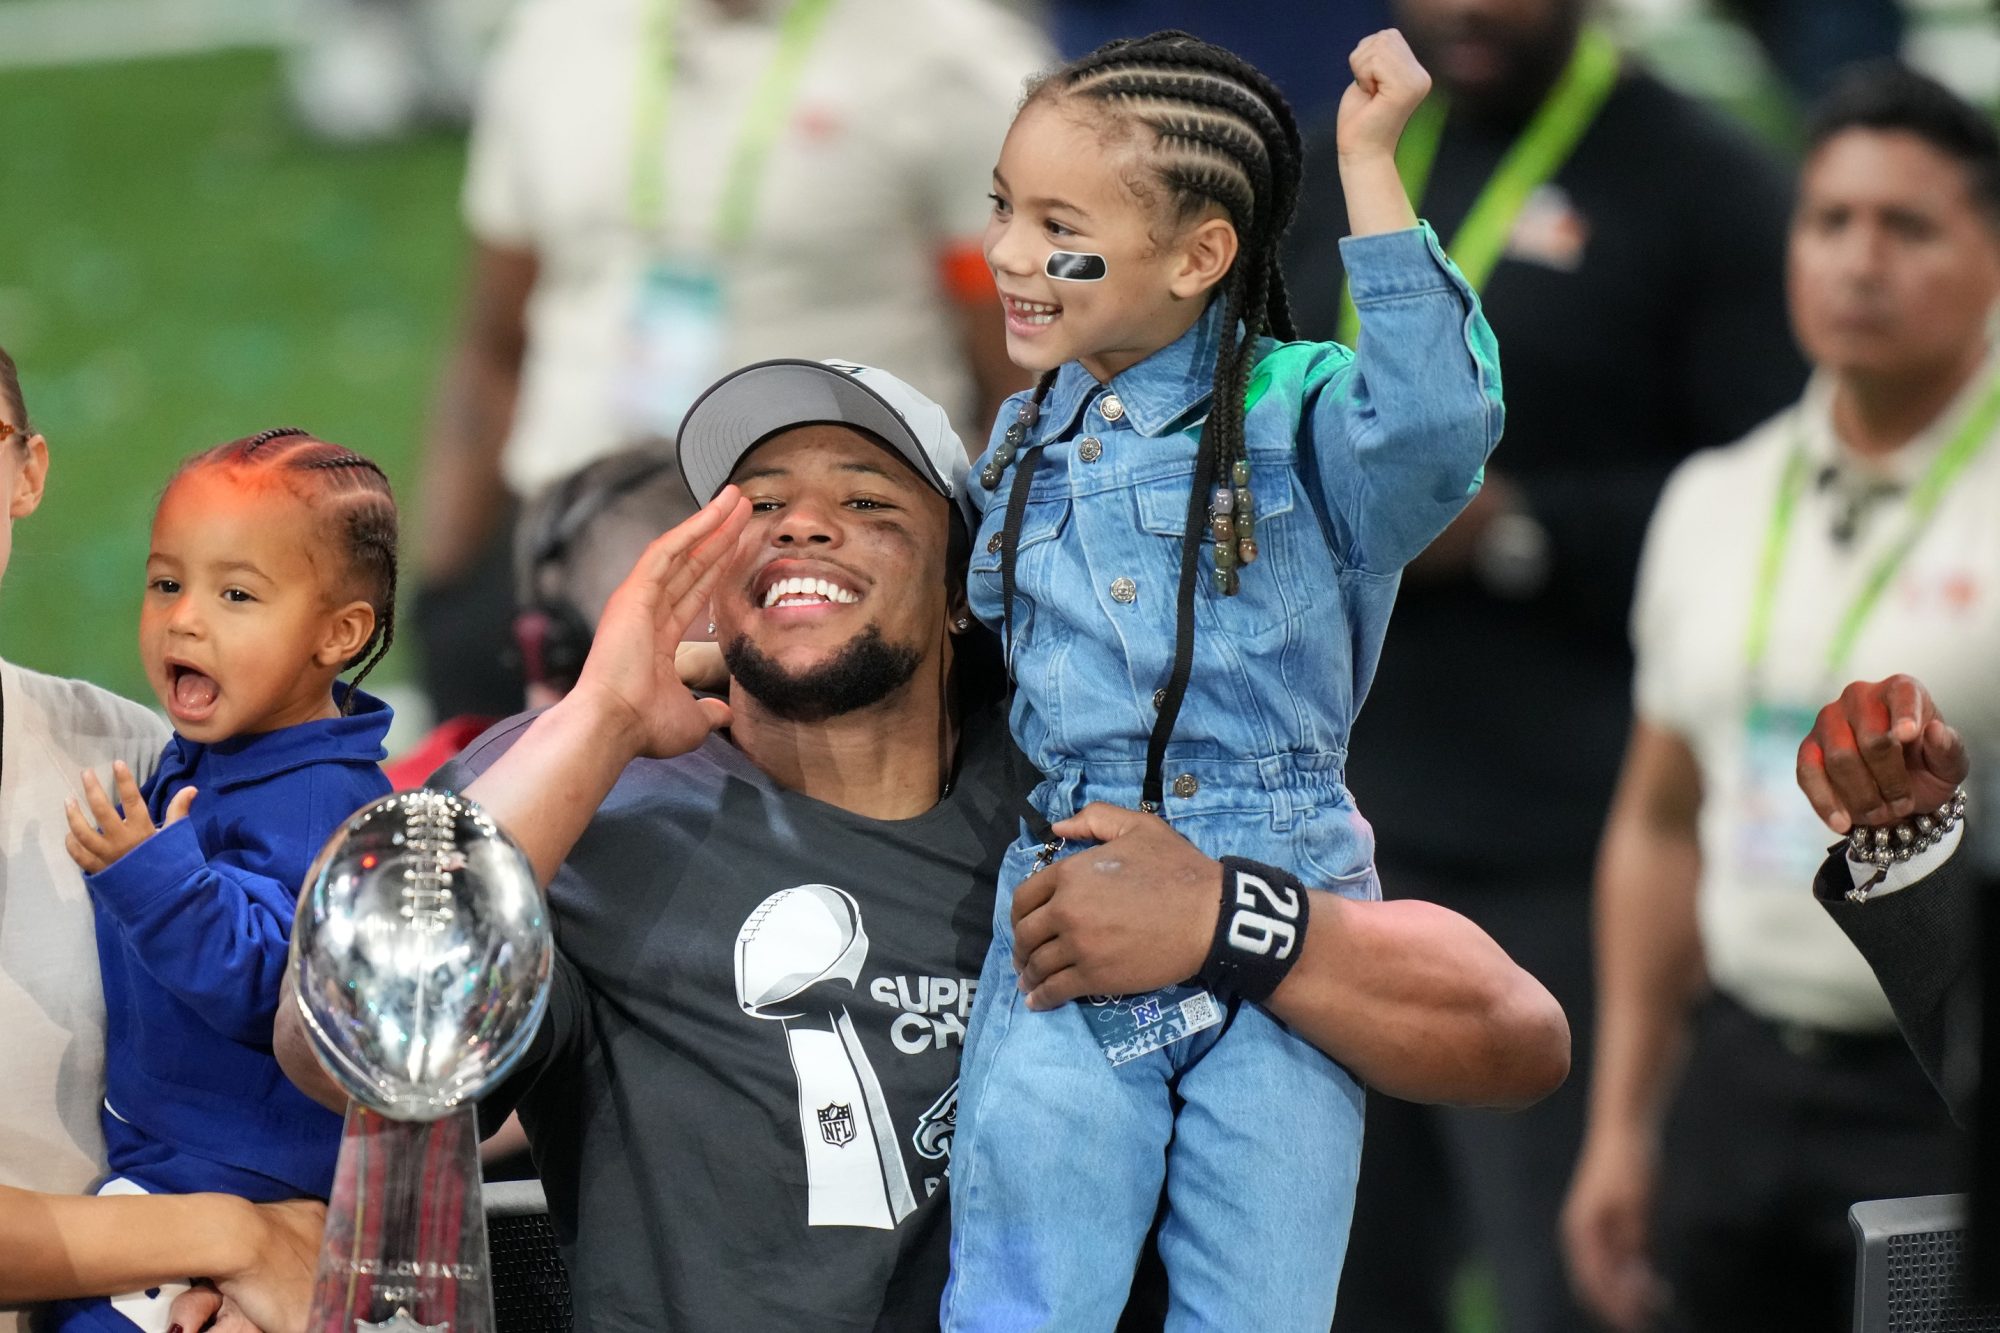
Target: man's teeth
[(805, 592), (1034, 312)]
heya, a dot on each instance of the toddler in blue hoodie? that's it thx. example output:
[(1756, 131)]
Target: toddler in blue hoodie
[(272, 570)]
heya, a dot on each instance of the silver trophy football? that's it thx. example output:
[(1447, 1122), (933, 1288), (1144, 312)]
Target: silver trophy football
[(422, 951)]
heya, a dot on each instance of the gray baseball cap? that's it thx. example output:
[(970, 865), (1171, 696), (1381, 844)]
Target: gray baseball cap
[(748, 406)]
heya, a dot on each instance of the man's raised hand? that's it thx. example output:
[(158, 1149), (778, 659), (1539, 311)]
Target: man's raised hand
[(1880, 753), (631, 667)]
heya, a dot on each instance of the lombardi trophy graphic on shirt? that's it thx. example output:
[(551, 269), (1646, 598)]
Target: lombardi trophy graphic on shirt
[(795, 956)]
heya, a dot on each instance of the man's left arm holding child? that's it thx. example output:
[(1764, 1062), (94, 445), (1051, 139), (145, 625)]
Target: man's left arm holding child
[(1415, 1000)]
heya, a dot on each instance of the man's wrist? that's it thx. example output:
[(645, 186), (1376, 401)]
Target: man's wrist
[(1872, 881), (599, 721), (1259, 932)]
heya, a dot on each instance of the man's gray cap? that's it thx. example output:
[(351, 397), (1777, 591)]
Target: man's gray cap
[(748, 406)]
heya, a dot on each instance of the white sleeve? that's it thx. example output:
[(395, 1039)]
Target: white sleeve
[(496, 202), (1904, 873)]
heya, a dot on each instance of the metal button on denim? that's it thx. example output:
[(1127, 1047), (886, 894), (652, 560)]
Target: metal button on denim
[(1110, 408), (994, 543), (1123, 590), (1185, 785), (1159, 698), (1090, 449)]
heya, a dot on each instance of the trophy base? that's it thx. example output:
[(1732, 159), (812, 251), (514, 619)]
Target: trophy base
[(405, 1242)]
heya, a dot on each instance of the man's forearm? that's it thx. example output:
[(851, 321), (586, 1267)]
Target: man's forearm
[(1414, 999), (543, 792), (546, 788), (292, 1045), (1421, 1004)]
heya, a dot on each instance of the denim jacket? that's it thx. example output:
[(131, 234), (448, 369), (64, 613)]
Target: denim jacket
[(1357, 461)]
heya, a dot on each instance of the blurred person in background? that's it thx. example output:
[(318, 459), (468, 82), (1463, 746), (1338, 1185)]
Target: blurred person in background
[(1627, 246), (364, 71), (660, 189), (51, 1002), (573, 544), (1750, 1083)]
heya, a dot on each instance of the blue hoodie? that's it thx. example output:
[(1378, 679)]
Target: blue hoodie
[(193, 928)]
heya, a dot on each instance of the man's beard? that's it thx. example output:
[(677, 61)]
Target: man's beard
[(865, 672)]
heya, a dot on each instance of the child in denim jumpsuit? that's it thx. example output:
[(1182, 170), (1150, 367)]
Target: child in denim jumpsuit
[(1165, 169)]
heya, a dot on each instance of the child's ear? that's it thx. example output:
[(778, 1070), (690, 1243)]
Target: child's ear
[(1206, 253), (32, 475), (347, 631)]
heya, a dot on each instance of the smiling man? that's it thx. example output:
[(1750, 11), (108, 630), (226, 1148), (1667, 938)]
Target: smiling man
[(742, 1101)]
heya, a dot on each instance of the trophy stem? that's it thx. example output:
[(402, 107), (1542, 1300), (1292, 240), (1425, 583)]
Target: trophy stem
[(405, 1242)]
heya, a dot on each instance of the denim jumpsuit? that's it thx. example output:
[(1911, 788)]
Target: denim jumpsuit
[(1357, 460)]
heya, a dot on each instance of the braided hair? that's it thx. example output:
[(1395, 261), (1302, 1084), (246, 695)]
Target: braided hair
[(1214, 132), (1223, 135), (350, 495)]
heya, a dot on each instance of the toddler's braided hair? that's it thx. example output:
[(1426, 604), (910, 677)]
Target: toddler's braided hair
[(350, 496)]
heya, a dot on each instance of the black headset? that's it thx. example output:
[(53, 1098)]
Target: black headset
[(551, 636)]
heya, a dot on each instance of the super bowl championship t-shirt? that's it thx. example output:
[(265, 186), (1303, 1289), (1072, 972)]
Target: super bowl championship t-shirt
[(743, 1098)]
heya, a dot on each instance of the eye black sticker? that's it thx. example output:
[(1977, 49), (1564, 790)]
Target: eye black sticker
[(1075, 266)]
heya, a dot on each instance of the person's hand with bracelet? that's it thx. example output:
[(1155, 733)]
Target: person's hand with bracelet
[(1884, 769), (1414, 999)]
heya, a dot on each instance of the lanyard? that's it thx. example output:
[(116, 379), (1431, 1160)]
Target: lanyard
[(768, 104), (1964, 446), (1550, 137)]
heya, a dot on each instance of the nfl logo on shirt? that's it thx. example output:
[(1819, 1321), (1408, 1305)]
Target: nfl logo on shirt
[(836, 1124)]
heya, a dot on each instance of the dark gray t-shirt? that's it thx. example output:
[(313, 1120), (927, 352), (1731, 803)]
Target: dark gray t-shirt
[(742, 1100)]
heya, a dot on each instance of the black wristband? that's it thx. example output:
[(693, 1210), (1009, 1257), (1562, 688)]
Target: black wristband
[(1259, 932)]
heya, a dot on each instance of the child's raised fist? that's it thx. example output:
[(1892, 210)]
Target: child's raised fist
[(1388, 85)]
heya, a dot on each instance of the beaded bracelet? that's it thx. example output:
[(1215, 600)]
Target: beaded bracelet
[(1884, 845)]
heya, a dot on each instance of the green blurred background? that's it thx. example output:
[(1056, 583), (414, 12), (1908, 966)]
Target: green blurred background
[(179, 266)]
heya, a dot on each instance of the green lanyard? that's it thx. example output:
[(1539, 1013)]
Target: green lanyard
[(768, 104), (1964, 446), (1536, 156)]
